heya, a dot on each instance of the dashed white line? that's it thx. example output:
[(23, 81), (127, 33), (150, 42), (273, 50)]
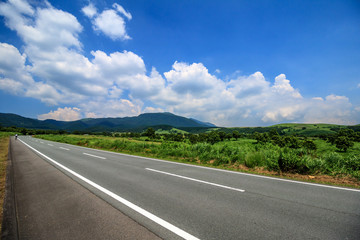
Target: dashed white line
[(50, 145), (196, 180), (93, 155), (136, 208), (65, 148)]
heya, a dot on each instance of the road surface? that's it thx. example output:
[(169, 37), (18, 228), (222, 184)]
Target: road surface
[(177, 201)]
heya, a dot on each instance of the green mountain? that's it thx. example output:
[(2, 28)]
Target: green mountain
[(142, 121)]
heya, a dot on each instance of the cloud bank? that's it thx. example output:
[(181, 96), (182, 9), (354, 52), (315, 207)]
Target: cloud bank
[(52, 67)]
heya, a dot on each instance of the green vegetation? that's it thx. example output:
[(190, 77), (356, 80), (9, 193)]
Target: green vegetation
[(267, 151)]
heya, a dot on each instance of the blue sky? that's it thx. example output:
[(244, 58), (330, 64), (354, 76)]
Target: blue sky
[(232, 63)]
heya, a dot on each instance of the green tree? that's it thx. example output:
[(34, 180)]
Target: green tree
[(150, 132), (310, 145), (222, 135), (261, 137), (236, 134), (292, 142), (213, 137), (273, 133), (193, 138), (343, 143)]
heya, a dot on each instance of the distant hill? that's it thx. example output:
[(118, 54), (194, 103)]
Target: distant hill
[(300, 129), (140, 122)]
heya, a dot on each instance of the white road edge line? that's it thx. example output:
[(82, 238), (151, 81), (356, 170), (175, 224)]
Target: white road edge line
[(136, 208), (93, 155), (196, 180), (220, 170), (65, 148)]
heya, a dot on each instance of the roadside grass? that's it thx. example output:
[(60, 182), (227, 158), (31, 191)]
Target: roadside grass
[(4, 147), (325, 165)]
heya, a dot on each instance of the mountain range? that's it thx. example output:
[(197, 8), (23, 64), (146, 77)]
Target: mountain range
[(140, 122)]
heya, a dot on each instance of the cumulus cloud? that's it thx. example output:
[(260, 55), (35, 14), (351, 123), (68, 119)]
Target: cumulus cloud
[(282, 86), (110, 22), (62, 114), (90, 10), (52, 46), (15, 78), (191, 79), (112, 108)]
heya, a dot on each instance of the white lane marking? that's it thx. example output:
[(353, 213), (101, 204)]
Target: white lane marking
[(222, 170), (65, 148), (93, 155), (50, 145), (136, 208), (41, 142), (196, 180)]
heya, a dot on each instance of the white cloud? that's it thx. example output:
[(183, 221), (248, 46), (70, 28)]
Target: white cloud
[(121, 10), (318, 98), (191, 79), (117, 63), (112, 108), (246, 87), (90, 10), (334, 109), (153, 110), (62, 114), (282, 86), (15, 78), (54, 51), (14, 11), (13, 65), (109, 22)]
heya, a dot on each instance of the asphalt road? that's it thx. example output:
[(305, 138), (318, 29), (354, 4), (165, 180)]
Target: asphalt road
[(177, 201)]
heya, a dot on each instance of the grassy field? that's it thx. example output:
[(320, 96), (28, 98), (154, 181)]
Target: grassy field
[(4, 146), (325, 164)]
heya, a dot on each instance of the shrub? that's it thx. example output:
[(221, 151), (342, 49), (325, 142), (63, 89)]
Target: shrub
[(253, 159), (288, 161), (333, 161), (352, 163), (343, 143)]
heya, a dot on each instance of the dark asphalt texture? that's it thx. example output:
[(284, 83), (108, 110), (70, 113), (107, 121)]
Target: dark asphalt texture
[(50, 205)]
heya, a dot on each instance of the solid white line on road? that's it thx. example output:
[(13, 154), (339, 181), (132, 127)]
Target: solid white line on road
[(65, 148), (93, 156), (196, 180), (136, 208)]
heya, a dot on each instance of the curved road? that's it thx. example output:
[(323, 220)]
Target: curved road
[(176, 201)]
